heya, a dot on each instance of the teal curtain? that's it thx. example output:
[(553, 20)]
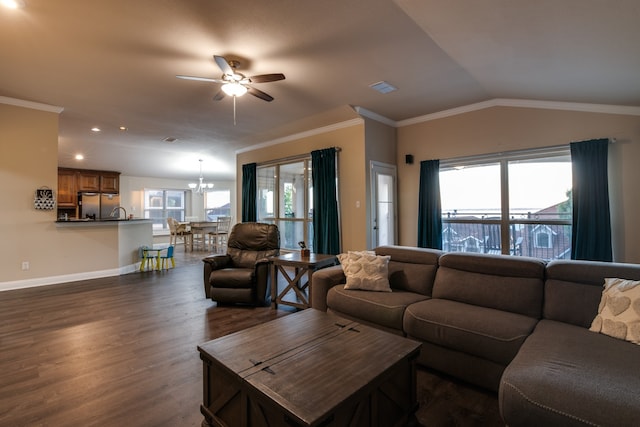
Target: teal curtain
[(249, 189), (591, 234), (429, 208), (326, 232)]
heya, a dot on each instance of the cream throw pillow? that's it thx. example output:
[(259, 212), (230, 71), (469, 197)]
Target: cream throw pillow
[(619, 310), (366, 271)]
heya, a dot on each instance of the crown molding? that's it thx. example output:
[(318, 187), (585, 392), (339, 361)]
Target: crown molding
[(305, 134), (525, 103), (30, 104), (375, 116)]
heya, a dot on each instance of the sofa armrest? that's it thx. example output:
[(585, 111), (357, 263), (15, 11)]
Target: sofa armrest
[(211, 263), (323, 280)]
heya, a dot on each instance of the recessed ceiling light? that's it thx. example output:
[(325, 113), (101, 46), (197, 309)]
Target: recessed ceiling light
[(383, 87), (95, 129), (122, 128), (13, 4), (79, 157), (170, 139)]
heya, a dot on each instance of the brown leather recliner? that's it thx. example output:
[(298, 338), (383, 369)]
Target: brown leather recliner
[(242, 274)]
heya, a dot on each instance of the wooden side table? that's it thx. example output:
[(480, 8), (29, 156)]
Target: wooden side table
[(301, 266)]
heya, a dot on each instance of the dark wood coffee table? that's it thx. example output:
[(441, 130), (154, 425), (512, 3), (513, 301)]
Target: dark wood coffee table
[(309, 369)]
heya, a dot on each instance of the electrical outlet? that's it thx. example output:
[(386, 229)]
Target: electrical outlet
[(25, 265)]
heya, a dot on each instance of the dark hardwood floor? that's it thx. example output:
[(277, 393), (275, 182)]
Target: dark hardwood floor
[(121, 351)]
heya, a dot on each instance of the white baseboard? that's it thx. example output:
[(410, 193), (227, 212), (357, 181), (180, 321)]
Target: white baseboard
[(65, 278)]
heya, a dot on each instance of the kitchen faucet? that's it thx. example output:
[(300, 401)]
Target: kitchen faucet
[(113, 212)]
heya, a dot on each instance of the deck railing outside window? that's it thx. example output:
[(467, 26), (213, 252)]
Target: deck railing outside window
[(543, 235)]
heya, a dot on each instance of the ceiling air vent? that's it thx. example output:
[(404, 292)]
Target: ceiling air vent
[(383, 87), (170, 139)]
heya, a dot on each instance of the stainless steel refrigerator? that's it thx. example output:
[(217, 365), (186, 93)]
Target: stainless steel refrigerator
[(89, 205), (108, 202)]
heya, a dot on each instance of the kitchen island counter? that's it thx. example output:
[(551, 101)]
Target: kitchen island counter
[(101, 222), (117, 241)]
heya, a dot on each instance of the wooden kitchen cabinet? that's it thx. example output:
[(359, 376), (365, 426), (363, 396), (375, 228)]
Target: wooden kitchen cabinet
[(88, 181), (67, 188), (109, 182)]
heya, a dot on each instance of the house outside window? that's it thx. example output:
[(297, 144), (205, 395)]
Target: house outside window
[(284, 198), (217, 203), (543, 237), (516, 203), (160, 204)]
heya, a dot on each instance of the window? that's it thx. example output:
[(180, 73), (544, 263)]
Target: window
[(516, 203), (159, 204), (284, 198), (217, 203)]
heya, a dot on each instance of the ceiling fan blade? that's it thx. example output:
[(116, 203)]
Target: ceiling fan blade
[(219, 96), (259, 94), (223, 64), (264, 78), (201, 79)]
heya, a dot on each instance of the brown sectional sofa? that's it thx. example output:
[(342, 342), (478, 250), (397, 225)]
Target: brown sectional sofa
[(515, 325)]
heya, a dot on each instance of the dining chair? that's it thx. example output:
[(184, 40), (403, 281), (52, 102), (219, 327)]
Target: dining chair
[(218, 238), (179, 230), (164, 259)]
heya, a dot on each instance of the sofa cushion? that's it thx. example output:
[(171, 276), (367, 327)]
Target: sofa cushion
[(506, 283), (411, 269), (382, 308), (566, 375), (365, 270), (485, 332), (619, 310), (580, 283)]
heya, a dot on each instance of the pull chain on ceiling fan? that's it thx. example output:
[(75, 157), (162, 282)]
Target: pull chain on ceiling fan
[(236, 84)]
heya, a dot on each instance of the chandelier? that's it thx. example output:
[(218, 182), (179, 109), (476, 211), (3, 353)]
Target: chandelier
[(201, 186)]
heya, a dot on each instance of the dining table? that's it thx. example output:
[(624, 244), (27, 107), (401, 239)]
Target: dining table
[(200, 229)]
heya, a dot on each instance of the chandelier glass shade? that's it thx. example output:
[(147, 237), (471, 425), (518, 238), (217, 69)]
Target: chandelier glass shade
[(200, 186)]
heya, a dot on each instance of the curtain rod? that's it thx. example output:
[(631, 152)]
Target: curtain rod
[(292, 158)]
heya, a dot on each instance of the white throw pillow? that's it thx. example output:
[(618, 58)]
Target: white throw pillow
[(366, 271), (619, 310)]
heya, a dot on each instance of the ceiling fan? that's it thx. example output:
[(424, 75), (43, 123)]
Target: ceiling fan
[(235, 83)]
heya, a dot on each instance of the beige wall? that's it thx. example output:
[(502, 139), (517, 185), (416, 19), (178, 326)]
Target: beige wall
[(352, 174), (29, 160), (499, 129)]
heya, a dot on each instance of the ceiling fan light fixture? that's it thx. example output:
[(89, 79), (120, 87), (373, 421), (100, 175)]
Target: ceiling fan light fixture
[(234, 89), (13, 4)]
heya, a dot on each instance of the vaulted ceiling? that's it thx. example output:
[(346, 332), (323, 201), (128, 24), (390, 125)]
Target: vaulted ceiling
[(113, 63)]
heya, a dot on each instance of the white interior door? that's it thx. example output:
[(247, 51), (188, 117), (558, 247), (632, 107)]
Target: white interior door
[(383, 189)]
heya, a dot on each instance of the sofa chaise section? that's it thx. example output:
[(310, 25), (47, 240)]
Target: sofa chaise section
[(565, 374)]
